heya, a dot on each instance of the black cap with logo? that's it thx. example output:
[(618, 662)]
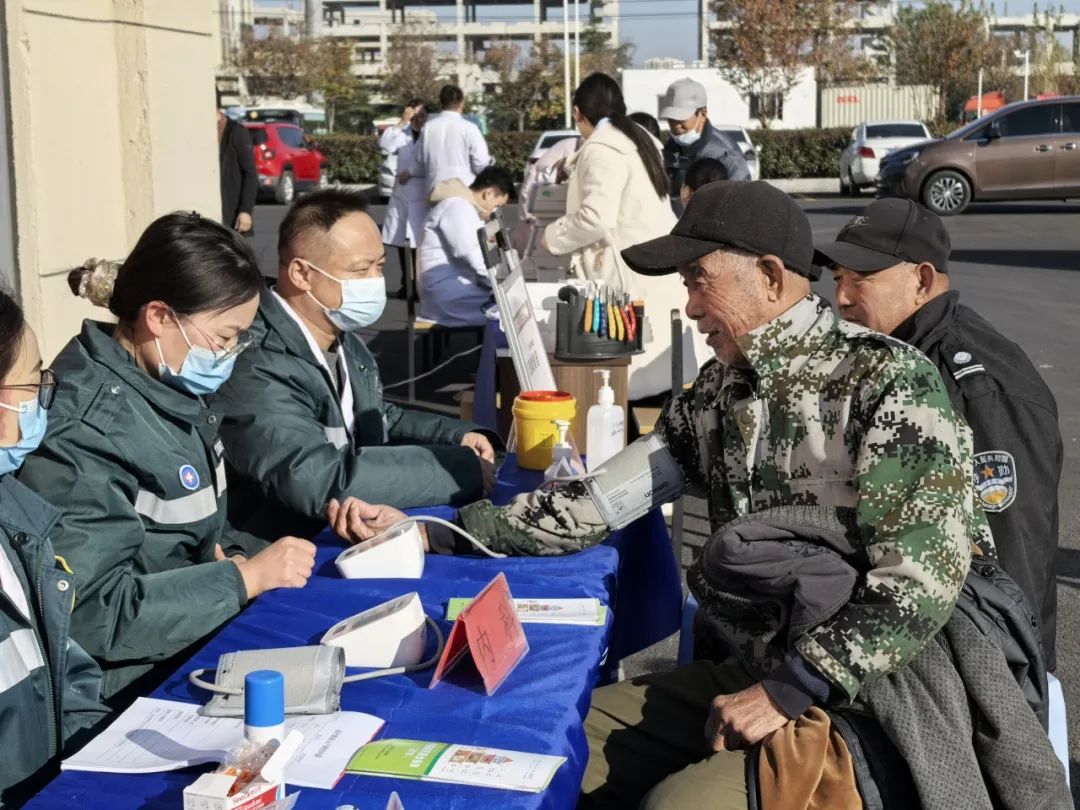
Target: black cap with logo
[(886, 233), (755, 217)]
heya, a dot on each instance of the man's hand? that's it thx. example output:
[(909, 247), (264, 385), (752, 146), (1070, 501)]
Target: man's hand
[(407, 116), (479, 444), (243, 222), (742, 719), (403, 177), (286, 563), (356, 520)]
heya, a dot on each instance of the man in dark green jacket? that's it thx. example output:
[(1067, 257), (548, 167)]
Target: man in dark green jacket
[(305, 420)]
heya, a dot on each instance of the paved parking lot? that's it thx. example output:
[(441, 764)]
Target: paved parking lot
[(1017, 264)]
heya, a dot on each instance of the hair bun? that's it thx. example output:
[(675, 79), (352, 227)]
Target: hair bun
[(94, 280)]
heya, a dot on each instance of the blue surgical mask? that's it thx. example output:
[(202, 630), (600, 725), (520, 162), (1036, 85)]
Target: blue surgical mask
[(32, 422), (203, 371), (362, 301), (687, 138)]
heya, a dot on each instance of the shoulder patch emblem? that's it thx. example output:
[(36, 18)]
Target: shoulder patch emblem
[(994, 477), (189, 478), (961, 357)]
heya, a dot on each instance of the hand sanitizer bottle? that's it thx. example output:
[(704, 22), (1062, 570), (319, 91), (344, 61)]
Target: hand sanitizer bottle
[(562, 455), (606, 426)]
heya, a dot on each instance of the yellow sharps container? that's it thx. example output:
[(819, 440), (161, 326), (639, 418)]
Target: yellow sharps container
[(536, 435)]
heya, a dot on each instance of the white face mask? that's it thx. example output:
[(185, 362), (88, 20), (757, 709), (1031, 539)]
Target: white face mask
[(687, 138), (362, 301)]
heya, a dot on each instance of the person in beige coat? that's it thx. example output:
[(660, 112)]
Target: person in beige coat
[(618, 197)]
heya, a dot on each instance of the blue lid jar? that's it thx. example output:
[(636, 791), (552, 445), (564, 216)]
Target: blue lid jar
[(264, 698)]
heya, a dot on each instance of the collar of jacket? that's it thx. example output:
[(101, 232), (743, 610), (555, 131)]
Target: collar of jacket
[(98, 342), (923, 329), (23, 510), (275, 331), (786, 343)]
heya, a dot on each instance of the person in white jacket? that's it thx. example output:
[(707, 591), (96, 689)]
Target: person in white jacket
[(408, 202), (454, 285), (618, 197), (450, 146)]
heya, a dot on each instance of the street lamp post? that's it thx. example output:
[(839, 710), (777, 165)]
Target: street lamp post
[(1026, 55), (566, 61)]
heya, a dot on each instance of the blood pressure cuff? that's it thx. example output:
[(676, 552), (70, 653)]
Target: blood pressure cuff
[(313, 677), (641, 477)]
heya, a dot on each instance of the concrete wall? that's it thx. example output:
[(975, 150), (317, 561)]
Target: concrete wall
[(111, 126), (642, 90)]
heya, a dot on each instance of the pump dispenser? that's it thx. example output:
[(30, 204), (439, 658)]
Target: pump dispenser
[(606, 427), (563, 464)]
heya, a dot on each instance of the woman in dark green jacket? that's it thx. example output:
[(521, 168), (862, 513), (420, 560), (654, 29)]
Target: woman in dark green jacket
[(132, 453), (49, 687)]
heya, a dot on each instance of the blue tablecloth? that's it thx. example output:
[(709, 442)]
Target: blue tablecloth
[(539, 708)]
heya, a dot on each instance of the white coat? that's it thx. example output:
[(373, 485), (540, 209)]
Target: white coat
[(408, 202), (611, 204), (451, 147), (453, 280)]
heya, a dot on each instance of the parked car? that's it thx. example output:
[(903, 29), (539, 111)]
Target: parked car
[(286, 160), (870, 142), (1025, 151), (742, 139), (547, 140)]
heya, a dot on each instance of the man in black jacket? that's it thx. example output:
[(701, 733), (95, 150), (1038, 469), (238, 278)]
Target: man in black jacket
[(239, 181), (685, 106), (890, 265)]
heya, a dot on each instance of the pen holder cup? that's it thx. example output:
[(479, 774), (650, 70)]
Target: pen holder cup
[(572, 342)]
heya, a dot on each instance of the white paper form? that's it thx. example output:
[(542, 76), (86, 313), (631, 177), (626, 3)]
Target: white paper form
[(163, 735)]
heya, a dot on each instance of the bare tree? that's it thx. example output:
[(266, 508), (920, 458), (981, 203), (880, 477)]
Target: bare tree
[(412, 64), (598, 54)]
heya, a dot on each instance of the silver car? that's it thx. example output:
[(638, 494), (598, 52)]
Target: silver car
[(870, 142), (742, 139)]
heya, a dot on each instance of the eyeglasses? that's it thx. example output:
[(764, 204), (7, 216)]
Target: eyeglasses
[(242, 341), (46, 392)]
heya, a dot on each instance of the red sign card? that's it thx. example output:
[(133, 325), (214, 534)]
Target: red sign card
[(488, 630)]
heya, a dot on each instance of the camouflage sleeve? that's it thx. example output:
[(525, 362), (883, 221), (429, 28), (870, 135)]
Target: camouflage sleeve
[(915, 516), (555, 519), (679, 428)]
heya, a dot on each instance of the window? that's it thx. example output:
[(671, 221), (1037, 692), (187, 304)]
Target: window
[(549, 141), (291, 136), (258, 135), (767, 105), (895, 131), (1070, 117), (1029, 121)]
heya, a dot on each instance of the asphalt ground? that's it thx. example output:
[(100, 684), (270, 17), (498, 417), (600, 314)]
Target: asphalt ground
[(1017, 264)]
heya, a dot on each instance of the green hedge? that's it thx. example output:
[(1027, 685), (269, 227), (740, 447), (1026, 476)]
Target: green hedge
[(782, 152), (356, 158), (800, 152)]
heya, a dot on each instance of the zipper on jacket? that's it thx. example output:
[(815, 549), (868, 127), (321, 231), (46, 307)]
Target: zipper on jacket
[(55, 734)]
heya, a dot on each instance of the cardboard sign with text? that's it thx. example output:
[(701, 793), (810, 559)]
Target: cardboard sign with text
[(489, 631)]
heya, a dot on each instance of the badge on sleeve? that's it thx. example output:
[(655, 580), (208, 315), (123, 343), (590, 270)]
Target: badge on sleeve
[(189, 478), (995, 480)]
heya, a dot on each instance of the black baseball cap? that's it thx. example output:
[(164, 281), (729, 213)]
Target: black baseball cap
[(755, 217), (886, 233)]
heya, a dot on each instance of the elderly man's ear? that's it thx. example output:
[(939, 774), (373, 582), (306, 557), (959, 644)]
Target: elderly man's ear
[(927, 282), (774, 277)]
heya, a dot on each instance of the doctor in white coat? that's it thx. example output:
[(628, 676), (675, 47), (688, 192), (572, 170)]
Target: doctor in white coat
[(408, 202), (450, 146)]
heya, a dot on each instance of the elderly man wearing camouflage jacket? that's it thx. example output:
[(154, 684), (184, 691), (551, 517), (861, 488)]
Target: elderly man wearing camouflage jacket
[(800, 408)]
